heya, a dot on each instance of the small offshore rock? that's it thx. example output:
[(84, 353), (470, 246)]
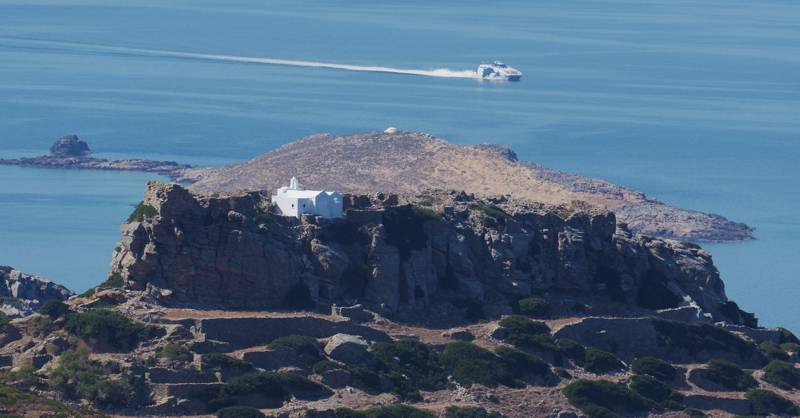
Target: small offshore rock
[(70, 146)]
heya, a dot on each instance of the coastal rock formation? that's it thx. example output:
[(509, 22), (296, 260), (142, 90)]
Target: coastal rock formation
[(70, 146), (70, 152), (403, 255), (23, 294), (407, 163)]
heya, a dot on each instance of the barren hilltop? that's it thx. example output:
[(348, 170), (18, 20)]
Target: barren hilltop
[(409, 162)]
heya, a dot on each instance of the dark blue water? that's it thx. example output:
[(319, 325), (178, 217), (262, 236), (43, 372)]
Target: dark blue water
[(695, 102)]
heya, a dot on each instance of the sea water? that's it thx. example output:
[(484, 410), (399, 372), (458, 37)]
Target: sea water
[(696, 103)]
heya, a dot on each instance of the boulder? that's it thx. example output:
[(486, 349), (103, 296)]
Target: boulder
[(348, 349), (70, 146), (355, 313)]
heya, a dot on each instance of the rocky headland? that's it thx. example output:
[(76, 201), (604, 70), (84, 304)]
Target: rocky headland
[(434, 304), (22, 294), (409, 162)]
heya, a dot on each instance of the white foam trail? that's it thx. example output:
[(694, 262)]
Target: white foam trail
[(94, 48)]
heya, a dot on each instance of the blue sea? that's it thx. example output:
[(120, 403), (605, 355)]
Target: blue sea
[(696, 103)]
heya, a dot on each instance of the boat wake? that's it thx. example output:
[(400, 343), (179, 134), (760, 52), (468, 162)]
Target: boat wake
[(139, 52)]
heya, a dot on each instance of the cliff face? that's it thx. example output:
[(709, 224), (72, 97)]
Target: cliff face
[(410, 162), (22, 294), (438, 249)]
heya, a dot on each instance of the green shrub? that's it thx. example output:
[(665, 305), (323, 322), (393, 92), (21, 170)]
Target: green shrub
[(491, 211), (453, 411), (654, 367), (604, 399), (469, 364), (325, 365), (225, 362), (54, 309), (4, 319), (534, 306), (782, 374), (650, 388), (389, 411), (522, 331), (77, 377), (697, 338), (11, 397), (106, 327), (766, 403), (299, 297), (366, 379), (411, 366), (239, 412), (790, 347), (572, 349), (307, 348), (787, 336), (142, 212), (175, 352), (773, 351), (729, 375), (275, 387), (599, 361), (520, 363)]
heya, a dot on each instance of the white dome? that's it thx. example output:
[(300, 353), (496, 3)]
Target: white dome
[(390, 130)]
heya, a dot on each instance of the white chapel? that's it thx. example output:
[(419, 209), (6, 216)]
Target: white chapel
[(293, 200)]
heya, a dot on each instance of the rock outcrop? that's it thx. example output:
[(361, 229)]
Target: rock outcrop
[(70, 146), (23, 294), (404, 255), (70, 152)]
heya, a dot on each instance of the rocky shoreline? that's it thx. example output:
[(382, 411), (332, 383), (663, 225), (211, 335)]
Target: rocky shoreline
[(170, 169)]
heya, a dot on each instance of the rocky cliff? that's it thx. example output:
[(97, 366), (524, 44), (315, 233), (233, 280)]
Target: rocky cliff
[(22, 294), (405, 255), (409, 162)]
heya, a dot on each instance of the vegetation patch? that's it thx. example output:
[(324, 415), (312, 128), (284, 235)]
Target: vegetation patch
[(54, 309), (650, 388), (411, 366), (17, 403), (534, 306), (729, 375), (773, 351), (520, 363), (239, 412), (175, 352), (654, 367), (225, 362), (78, 377), (325, 365), (767, 403), (782, 374), (493, 213), (273, 388), (469, 364), (697, 338), (572, 349), (604, 399), (141, 212), (599, 361), (469, 412), (389, 411), (520, 330), (307, 348), (107, 328)]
